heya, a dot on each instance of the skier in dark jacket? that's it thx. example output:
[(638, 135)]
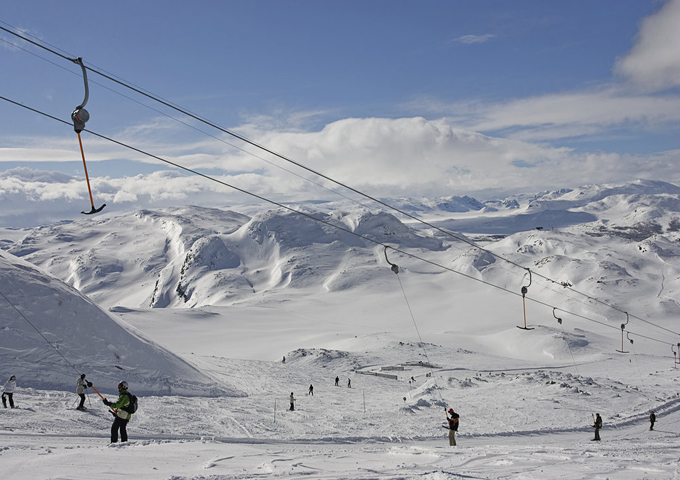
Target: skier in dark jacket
[(337, 380), (453, 418), (81, 386), (652, 420), (597, 426), (122, 417)]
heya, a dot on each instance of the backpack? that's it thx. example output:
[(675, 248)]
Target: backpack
[(132, 407)]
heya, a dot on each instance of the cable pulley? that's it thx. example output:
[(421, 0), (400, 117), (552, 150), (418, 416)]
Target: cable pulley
[(393, 266), (80, 116)]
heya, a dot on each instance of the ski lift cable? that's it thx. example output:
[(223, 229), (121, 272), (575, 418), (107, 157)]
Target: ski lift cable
[(551, 282), (395, 268), (262, 147), (39, 332), (186, 124), (283, 157), (312, 217)]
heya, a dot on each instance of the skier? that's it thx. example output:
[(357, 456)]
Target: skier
[(349, 383), (597, 426), (453, 420), (8, 391), (122, 417), (652, 419), (311, 390), (81, 386), (292, 402), (337, 380), (284, 359)]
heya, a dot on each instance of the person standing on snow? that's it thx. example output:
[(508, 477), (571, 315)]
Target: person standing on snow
[(337, 380), (81, 386), (597, 426), (292, 402), (122, 417), (8, 391), (311, 390), (453, 420), (349, 383), (652, 419)]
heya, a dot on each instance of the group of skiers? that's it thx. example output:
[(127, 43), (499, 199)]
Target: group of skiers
[(337, 382), (122, 411), (453, 420), (119, 409), (311, 392)]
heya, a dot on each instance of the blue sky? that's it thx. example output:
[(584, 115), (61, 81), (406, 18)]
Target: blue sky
[(393, 97)]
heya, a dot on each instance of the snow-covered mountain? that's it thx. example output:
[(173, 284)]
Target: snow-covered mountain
[(611, 242), (193, 256)]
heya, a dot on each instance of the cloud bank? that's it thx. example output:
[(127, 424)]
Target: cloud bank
[(654, 62), (381, 157)]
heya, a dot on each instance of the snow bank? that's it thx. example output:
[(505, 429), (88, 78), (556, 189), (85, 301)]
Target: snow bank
[(51, 332)]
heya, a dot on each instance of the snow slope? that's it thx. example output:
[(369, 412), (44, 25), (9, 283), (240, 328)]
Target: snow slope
[(51, 332)]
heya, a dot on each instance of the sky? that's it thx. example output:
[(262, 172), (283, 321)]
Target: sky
[(393, 98)]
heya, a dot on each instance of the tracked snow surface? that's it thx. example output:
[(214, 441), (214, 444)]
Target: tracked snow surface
[(231, 293)]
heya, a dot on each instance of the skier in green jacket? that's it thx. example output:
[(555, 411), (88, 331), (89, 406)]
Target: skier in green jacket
[(119, 411)]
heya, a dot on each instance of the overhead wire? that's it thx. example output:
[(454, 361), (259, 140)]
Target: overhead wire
[(194, 127), (236, 147), (325, 222), (287, 159), (39, 332)]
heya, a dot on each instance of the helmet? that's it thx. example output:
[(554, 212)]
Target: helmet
[(450, 410), (123, 385), (82, 375)]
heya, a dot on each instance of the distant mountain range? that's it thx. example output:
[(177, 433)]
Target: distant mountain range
[(193, 256)]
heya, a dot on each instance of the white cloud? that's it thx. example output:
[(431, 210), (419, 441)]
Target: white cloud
[(575, 114), (415, 156), (654, 60), (469, 39), (381, 157)]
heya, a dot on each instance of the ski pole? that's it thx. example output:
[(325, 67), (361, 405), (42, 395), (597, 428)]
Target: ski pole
[(100, 396)]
